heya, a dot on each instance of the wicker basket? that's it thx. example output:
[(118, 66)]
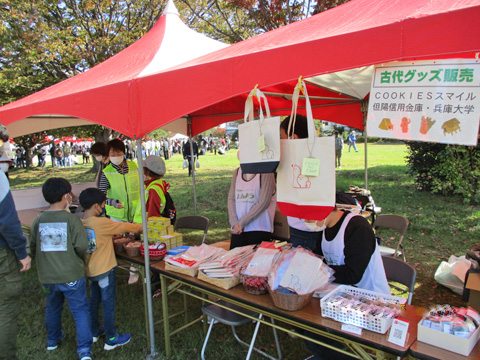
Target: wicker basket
[(290, 302), (255, 285), (132, 251), (119, 243), (189, 271), (155, 254), (225, 283)]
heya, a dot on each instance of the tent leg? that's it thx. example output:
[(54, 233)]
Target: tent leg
[(364, 110), (151, 329), (193, 160)]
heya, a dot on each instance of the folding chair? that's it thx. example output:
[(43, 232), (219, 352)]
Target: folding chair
[(394, 222), (195, 222), (230, 318), (400, 272)]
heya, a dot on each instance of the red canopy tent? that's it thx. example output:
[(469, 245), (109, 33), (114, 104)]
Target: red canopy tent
[(333, 50)]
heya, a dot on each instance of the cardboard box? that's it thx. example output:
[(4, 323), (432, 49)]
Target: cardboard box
[(447, 341), (473, 284)]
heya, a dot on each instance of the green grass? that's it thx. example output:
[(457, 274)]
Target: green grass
[(439, 226)]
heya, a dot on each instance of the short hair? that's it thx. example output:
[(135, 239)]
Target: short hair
[(3, 133), (301, 127), (90, 197), (54, 188), (335, 133), (99, 148), (116, 144)]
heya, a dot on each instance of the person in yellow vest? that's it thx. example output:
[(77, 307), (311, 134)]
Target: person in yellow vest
[(120, 182), (153, 169)]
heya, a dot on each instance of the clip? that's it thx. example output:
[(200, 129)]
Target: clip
[(300, 85)]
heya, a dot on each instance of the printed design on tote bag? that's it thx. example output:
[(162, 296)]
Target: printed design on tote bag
[(300, 181), (268, 154)]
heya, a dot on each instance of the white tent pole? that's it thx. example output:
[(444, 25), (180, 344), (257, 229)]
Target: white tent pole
[(153, 352), (364, 111), (193, 163)]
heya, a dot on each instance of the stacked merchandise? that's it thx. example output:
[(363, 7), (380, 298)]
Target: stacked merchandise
[(453, 329), (189, 261), (229, 264), (254, 275), (225, 270), (363, 308), (160, 230)]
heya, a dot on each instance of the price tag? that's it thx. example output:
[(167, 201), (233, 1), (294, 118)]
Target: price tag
[(261, 143), (310, 167), (352, 329), (398, 332)]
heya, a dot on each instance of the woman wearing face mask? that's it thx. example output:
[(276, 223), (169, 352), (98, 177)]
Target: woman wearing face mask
[(300, 233), (119, 181), (349, 247), (99, 152)]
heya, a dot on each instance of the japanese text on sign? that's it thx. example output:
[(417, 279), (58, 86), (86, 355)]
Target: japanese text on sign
[(436, 101)]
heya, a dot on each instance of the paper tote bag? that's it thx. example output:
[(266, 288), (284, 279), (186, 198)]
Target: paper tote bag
[(252, 160), (299, 195)]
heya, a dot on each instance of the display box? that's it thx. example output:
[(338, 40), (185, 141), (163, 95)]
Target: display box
[(446, 341), (473, 284)]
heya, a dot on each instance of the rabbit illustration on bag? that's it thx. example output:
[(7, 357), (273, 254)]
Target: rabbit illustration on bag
[(267, 154), (300, 181)]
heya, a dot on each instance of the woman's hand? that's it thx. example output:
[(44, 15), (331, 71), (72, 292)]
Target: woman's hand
[(119, 205), (237, 230)]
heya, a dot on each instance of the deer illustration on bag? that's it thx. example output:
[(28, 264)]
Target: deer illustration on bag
[(300, 181)]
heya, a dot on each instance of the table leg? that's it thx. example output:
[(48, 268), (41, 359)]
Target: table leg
[(166, 320)]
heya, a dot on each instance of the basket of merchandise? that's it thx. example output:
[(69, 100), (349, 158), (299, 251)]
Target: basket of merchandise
[(287, 299), (363, 308), (156, 251), (119, 241), (132, 248), (255, 285)]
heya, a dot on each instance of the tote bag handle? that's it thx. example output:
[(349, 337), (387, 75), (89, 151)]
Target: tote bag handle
[(249, 105), (293, 117)]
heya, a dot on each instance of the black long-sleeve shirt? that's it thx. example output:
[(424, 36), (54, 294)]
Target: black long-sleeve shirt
[(359, 247)]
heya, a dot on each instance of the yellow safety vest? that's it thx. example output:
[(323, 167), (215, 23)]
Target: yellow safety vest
[(156, 185), (125, 188)]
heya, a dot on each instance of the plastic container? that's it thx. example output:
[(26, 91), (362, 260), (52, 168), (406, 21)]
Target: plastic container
[(349, 316)]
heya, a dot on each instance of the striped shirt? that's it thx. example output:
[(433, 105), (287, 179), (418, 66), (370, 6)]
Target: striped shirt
[(104, 185)]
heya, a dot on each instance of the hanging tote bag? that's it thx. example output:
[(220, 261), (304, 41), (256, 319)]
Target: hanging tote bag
[(306, 174), (259, 139)]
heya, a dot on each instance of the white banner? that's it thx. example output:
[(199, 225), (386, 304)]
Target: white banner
[(435, 101)]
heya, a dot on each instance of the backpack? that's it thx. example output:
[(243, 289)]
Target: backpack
[(169, 211)]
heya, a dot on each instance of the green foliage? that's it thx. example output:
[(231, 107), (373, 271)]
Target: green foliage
[(446, 169)]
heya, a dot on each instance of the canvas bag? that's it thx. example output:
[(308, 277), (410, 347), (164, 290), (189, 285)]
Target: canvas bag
[(252, 161), (301, 196)]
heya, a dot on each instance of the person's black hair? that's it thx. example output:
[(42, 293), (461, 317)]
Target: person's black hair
[(345, 199), (4, 133), (116, 144), (55, 188), (301, 127), (90, 197), (99, 148), (335, 133)]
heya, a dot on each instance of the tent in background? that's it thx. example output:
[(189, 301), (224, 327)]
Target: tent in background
[(332, 50)]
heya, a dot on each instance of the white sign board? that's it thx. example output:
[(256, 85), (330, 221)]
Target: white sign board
[(435, 101)]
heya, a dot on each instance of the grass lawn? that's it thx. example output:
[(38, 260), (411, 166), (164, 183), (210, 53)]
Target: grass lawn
[(439, 227)]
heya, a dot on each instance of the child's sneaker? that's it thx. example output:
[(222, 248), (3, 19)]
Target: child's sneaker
[(101, 332), (118, 340), (55, 346), (86, 356)]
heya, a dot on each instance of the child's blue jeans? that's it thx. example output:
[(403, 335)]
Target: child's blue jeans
[(103, 291), (76, 295)]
